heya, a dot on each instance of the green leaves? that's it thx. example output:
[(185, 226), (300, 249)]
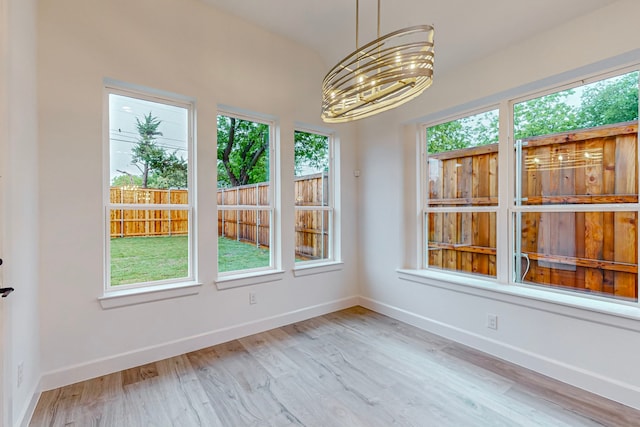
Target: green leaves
[(243, 148), (311, 150), (472, 131), (545, 115), (606, 102), (609, 101)]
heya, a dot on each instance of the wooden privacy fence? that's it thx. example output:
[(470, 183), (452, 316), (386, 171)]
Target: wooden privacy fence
[(251, 225), (463, 241), (246, 224), (592, 251), (312, 226), (126, 222)]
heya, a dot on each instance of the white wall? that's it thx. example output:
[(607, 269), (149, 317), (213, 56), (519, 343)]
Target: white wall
[(20, 205), (184, 47), (586, 348)]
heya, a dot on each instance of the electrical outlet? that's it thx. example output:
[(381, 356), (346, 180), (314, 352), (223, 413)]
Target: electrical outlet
[(252, 298), (20, 374), (492, 321)]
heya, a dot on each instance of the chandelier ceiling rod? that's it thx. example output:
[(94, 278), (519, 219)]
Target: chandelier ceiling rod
[(358, 23)]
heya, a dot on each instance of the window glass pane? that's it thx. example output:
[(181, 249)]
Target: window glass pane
[(312, 187), (148, 145), (311, 169), (593, 252), (462, 165), (148, 245), (243, 239), (462, 241), (579, 146), (148, 166), (244, 235), (243, 156), (312, 234)]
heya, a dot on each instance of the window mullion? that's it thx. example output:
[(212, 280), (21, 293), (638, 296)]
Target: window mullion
[(504, 250)]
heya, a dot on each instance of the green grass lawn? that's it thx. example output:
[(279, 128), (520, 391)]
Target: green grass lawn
[(234, 255), (147, 259)]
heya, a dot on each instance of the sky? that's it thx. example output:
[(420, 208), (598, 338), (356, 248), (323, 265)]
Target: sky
[(123, 133)]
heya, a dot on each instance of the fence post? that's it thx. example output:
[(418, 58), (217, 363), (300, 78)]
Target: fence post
[(257, 191), (237, 214), (223, 212), (121, 212), (170, 211)]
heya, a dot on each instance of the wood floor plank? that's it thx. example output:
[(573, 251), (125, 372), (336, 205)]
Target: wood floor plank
[(351, 368)]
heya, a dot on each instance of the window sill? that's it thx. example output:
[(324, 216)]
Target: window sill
[(126, 297), (248, 279), (609, 313), (317, 268)]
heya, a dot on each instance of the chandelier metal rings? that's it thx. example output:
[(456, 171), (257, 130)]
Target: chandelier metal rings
[(383, 74)]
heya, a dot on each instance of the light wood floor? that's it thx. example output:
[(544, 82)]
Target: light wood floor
[(350, 368)]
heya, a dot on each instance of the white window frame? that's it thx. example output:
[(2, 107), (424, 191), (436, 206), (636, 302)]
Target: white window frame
[(126, 294), (505, 282), (331, 200), (515, 208), (272, 272)]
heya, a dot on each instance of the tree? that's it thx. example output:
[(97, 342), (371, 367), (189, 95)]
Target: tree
[(126, 180), (610, 101), (311, 150), (146, 153), (242, 149), (170, 172), (158, 168), (545, 115), (467, 132), (447, 136)]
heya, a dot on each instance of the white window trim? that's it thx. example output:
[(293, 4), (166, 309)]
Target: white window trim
[(504, 283), (304, 267), (273, 272), (596, 310), (125, 297), (122, 295)]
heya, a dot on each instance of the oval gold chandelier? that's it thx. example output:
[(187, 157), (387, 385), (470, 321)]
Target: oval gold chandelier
[(380, 75)]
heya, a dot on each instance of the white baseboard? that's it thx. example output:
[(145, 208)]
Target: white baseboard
[(119, 362), (627, 394)]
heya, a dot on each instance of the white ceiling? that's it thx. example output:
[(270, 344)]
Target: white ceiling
[(465, 29)]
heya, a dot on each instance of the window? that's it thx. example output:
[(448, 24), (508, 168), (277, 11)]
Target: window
[(568, 206), (314, 200), (245, 195), (576, 202), (461, 197), (148, 196)]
